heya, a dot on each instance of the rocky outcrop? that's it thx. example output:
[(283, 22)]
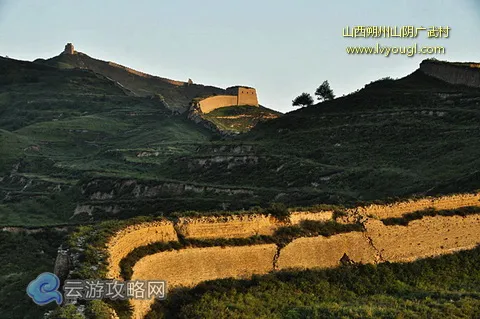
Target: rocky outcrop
[(62, 264)]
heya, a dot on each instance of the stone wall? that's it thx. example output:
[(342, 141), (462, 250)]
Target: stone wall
[(235, 96), (429, 236), (426, 237), (145, 75), (131, 237), (298, 217), (214, 102), (189, 267), (247, 96), (326, 252), (240, 226), (455, 73), (400, 208)]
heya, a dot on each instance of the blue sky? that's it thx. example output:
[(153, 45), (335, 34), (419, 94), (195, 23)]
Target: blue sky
[(280, 47)]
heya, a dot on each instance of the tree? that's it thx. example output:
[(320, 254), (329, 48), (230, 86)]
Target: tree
[(304, 99), (324, 92)]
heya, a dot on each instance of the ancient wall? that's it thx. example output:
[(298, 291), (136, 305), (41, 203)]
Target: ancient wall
[(429, 236), (131, 237), (242, 226), (235, 96), (401, 208), (325, 252), (189, 267), (145, 75), (211, 103), (463, 74), (239, 226), (247, 96), (298, 217), (426, 237)]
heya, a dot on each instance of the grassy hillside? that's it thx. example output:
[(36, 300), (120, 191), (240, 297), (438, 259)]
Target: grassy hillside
[(240, 119), (18, 268), (59, 128), (393, 138), (76, 147), (177, 95), (444, 287)]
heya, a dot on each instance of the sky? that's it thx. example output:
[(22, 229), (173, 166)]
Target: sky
[(280, 47)]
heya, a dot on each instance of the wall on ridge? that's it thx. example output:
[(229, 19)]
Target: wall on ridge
[(321, 216), (247, 96), (238, 226), (325, 252), (188, 267), (131, 237), (426, 237), (430, 236), (145, 75), (214, 102), (463, 74), (249, 225), (400, 208), (242, 226)]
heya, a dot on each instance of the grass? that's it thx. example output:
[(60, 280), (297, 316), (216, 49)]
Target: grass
[(393, 139), (24, 257), (63, 128), (239, 119), (386, 141)]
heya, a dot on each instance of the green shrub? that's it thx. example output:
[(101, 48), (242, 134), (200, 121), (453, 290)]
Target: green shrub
[(278, 210), (66, 312), (97, 309)]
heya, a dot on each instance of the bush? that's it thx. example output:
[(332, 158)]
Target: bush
[(66, 312), (279, 211), (98, 309)]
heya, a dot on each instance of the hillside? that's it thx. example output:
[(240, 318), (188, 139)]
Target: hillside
[(240, 119), (60, 128), (177, 95), (415, 135), (77, 147)]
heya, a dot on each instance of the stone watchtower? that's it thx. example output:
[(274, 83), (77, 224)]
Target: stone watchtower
[(69, 49)]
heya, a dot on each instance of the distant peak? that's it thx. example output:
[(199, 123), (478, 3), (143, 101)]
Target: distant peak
[(69, 49)]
